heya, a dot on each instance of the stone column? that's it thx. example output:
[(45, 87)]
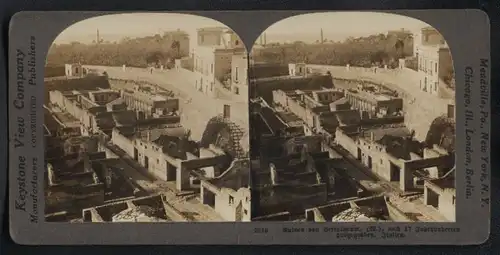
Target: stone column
[(202, 194), (182, 182), (168, 168), (51, 176), (406, 179), (426, 196)]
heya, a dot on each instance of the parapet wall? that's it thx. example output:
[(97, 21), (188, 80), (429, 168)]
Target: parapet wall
[(84, 83), (264, 87), (267, 70)]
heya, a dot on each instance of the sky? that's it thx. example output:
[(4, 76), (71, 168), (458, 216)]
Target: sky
[(116, 26), (340, 25), (336, 26)]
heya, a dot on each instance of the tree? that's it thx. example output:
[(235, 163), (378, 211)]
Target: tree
[(362, 51), (136, 52), (155, 57), (176, 45), (399, 46), (283, 54), (379, 57)]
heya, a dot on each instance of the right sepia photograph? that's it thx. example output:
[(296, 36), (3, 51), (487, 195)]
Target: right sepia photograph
[(352, 119)]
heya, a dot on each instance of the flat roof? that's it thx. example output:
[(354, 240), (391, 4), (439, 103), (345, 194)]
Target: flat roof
[(100, 90), (157, 98), (288, 117), (66, 119), (326, 90), (448, 183), (379, 132), (273, 122), (382, 98)]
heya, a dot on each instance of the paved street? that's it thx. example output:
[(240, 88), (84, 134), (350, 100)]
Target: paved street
[(196, 108)]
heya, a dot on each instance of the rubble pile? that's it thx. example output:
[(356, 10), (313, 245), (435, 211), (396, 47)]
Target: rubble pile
[(138, 214), (354, 215)]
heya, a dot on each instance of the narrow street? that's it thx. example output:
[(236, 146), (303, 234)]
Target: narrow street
[(190, 207), (404, 201)]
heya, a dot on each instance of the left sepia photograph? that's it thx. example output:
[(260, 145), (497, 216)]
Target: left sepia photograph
[(146, 120)]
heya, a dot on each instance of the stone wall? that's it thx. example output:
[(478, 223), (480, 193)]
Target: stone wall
[(229, 203), (54, 71), (68, 84), (396, 214), (267, 70), (64, 199), (447, 205), (264, 87), (122, 142), (151, 157), (105, 213), (87, 119), (275, 199)]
